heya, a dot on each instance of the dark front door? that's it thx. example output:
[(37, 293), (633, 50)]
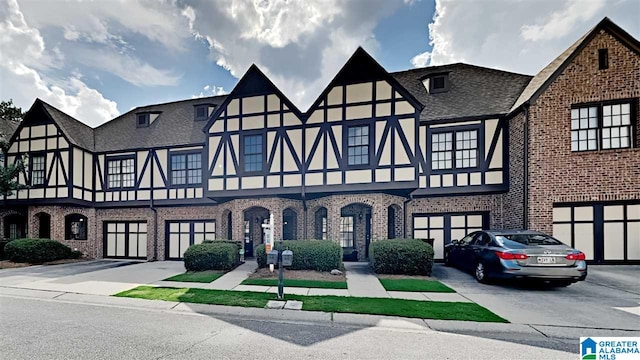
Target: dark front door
[(248, 239), (288, 227), (44, 226)]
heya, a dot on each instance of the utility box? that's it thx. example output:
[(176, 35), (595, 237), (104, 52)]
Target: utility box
[(272, 257), (287, 258)]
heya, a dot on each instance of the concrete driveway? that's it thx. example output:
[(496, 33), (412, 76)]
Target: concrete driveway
[(97, 277), (608, 299)]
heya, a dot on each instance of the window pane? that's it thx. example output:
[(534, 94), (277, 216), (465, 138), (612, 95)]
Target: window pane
[(253, 154), (358, 145)]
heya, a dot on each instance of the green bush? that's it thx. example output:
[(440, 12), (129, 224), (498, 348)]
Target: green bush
[(216, 255), (3, 242), (37, 251), (319, 255), (401, 256), (238, 244)]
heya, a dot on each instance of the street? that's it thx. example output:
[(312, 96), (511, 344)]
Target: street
[(50, 329)]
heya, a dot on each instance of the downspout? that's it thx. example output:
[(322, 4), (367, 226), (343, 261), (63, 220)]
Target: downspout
[(525, 162), (404, 218), (155, 213)]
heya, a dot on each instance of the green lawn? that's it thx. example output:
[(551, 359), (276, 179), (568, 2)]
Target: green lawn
[(341, 304), (197, 276), (298, 283), (418, 285)]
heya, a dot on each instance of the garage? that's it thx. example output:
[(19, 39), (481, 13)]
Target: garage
[(182, 234), (606, 232), (125, 240), (444, 227)]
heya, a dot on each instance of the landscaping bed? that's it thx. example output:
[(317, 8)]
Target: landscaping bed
[(197, 276), (341, 304), (297, 278), (8, 264)]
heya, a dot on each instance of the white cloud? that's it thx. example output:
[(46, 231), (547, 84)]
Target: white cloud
[(22, 47), (421, 60), (210, 90), (521, 36), (300, 45)]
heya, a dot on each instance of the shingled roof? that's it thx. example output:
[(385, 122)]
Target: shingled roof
[(174, 126), (473, 90), (7, 127), (77, 132)]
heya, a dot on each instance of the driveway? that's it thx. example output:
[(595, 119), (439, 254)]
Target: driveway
[(608, 299), (97, 277)]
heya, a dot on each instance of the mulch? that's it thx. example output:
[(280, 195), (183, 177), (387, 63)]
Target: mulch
[(7, 264), (297, 274), (391, 276)]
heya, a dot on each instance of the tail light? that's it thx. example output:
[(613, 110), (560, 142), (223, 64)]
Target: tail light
[(511, 256), (576, 256)]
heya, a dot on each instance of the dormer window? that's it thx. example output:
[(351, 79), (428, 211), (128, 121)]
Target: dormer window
[(603, 59), (201, 112), (142, 120), (436, 83)]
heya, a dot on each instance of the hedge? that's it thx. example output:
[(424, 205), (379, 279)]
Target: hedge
[(217, 255), (319, 255), (37, 251), (401, 256), (3, 242), (236, 243)]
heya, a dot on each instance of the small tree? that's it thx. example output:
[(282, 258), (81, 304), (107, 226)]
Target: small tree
[(9, 173), (9, 111)]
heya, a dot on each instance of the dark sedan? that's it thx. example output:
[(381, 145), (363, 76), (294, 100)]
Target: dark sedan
[(513, 254)]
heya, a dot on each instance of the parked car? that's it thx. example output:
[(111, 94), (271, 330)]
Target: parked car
[(514, 254)]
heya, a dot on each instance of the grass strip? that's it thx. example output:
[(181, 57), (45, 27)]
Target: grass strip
[(416, 285), (320, 284), (197, 276), (341, 304)]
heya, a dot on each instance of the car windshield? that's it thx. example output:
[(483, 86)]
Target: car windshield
[(528, 239)]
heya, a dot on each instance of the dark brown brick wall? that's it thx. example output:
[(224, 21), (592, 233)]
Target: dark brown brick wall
[(559, 175), (513, 211)]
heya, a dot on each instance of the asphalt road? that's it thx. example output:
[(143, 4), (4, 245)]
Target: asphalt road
[(50, 329), (608, 299)]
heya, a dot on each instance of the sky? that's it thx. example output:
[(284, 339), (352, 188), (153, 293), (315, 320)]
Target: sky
[(98, 59)]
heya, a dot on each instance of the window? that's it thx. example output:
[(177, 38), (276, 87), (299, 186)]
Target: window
[(603, 59), (441, 151), (186, 169), (465, 148), (36, 164), (142, 120), (201, 112), (436, 83), (75, 227), (616, 126), (183, 234), (358, 145), (321, 223), (120, 173), (253, 154), (346, 231), (611, 124)]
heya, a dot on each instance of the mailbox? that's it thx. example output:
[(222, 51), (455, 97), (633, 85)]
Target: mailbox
[(287, 258), (272, 257)]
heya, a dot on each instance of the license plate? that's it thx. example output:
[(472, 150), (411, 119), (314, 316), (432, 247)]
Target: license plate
[(546, 260)]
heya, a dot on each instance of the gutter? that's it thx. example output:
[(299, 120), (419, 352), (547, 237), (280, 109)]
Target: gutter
[(525, 162), (404, 209)]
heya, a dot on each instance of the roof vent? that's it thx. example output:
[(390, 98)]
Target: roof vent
[(144, 119), (436, 83), (202, 111)]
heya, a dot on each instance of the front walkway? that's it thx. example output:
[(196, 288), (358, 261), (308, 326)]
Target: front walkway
[(362, 282)]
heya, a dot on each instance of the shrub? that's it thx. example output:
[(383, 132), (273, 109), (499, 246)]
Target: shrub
[(37, 251), (238, 244), (319, 255), (3, 242), (216, 255), (401, 256)]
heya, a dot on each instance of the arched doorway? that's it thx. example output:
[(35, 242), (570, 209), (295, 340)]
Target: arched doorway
[(44, 225), (321, 224), (355, 231), (253, 234), (226, 225), (394, 222), (289, 224), (14, 227)]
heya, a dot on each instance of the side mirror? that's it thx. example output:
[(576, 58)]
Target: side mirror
[(455, 241)]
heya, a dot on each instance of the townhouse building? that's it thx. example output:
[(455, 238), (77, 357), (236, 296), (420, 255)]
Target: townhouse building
[(432, 153)]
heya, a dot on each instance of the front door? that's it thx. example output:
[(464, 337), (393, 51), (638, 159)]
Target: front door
[(367, 235), (248, 239), (44, 226)]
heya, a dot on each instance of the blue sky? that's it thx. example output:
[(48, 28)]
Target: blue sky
[(96, 60)]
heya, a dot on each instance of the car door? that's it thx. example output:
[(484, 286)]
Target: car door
[(464, 252), (478, 248)]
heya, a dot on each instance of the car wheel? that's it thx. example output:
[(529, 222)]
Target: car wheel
[(480, 272)]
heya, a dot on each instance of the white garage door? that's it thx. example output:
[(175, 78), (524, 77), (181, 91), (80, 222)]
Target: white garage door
[(125, 240), (443, 228), (182, 234), (605, 232)]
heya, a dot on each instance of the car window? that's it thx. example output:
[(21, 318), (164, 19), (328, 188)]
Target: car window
[(528, 239), (467, 239), (482, 239)]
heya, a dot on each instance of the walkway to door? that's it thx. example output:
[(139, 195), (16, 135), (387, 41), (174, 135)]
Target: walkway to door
[(362, 282)]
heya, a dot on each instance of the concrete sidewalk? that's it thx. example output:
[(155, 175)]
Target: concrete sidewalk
[(362, 282)]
